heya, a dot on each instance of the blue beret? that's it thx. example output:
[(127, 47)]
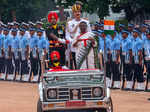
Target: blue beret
[(144, 25), (6, 29), (32, 29), (97, 23), (130, 25), (137, 31), (40, 30), (121, 25), (124, 31), (22, 29), (100, 31), (14, 30)]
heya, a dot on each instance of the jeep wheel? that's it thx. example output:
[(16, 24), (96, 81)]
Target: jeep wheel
[(39, 106), (110, 109)]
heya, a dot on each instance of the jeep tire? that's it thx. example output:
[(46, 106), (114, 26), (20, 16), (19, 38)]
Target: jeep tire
[(110, 107), (39, 106)]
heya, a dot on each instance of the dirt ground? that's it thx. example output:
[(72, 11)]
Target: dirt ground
[(22, 97)]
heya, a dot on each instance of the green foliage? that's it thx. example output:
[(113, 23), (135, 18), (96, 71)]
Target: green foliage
[(25, 10), (132, 8), (124, 21)]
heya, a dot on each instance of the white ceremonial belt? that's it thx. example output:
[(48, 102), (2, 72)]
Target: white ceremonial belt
[(124, 53), (147, 58)]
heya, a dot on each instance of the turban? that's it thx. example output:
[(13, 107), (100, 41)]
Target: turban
[(55, 53), (76, 7), (52, 14)]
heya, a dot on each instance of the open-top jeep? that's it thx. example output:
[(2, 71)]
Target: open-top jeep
[(69, 90)]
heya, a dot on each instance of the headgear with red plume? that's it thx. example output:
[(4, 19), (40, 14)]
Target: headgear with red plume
[(52, 14), (55, 58)]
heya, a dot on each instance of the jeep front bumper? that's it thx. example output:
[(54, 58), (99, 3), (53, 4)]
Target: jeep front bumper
[(83, 105)]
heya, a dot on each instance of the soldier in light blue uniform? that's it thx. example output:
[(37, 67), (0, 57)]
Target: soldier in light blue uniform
[(119, 34), (147, 58), (104, 39), (130, 31), (8, 53), (42, 46), (15, 50), (144, 29), (114, 50), (137, 46), (24, 55), (126, 59), (2, 59), (33, 44)]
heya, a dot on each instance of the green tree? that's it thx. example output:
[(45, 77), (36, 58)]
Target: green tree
[(24, 10), (136, 10)]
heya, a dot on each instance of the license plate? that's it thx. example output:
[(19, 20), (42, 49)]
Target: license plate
[(75, 103)]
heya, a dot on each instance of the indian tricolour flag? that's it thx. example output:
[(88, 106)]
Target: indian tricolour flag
[(109, 26)]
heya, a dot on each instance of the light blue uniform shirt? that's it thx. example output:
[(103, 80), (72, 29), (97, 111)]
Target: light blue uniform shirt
[(147, 48), (1, 43), (7, 43), (23, 43), (33, 45), (114, 46), (101, 45), (126, 47), (143, 36), (137, 45), (42, 44), (15, 46)]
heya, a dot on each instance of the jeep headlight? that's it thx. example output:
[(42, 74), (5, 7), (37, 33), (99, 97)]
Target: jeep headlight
[(97, 92), (52, 94)]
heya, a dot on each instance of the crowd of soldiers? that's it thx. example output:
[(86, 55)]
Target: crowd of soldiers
[(21, 49), (127, 56), (25, 50)]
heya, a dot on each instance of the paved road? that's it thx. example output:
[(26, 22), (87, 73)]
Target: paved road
[(22, 97)]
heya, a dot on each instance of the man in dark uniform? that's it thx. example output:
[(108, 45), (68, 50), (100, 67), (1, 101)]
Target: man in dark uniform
[(55, 35)]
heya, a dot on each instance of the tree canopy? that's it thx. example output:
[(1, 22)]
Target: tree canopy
[(135, 10), (25, 10)]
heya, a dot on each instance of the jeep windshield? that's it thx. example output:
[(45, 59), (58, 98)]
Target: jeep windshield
[(74, 79)]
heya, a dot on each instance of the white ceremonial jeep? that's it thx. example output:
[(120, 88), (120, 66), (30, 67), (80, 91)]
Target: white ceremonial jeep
[(74, 90)]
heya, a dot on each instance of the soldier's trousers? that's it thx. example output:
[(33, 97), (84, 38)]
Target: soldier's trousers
[(115, 71), (112, 71), (127, 72), (17, 66), (147, 63), (108, 69), (34, 66), (2, 65), (138, 73), (9, 66), (24, 67)]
